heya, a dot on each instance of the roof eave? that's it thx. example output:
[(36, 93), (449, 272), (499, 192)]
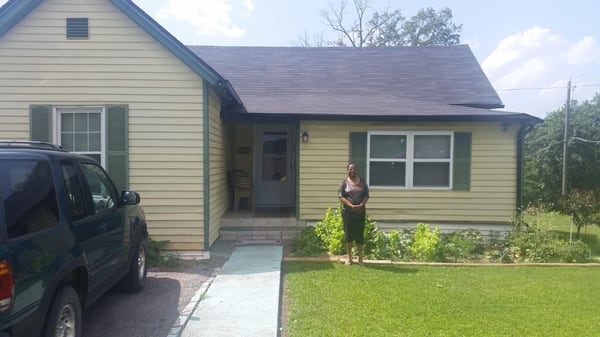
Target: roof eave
[(14, 11), (521, 118)]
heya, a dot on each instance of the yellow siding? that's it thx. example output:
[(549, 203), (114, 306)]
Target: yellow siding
[(119, 64), (217, 162), (492, 197)]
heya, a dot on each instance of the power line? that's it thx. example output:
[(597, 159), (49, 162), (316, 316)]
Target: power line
[(548, 88), (596, 142)]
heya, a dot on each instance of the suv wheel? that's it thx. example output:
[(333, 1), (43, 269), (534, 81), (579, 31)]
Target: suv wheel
[(135, 278), (64, 315)]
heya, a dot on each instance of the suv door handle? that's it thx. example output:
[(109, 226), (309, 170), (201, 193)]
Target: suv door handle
[(103, 227)]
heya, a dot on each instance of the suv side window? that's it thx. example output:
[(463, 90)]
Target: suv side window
[(75, 194), (103, 191), (28, 195)]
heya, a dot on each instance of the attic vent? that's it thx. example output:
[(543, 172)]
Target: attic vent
[(77, 28)]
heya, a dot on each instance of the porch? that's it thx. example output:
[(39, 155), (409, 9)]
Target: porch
[(261, 224)]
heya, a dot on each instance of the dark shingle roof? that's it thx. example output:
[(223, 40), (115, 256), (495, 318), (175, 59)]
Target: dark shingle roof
[(389, 81)]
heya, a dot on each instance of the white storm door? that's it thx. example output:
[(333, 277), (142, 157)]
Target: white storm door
[(273, 174)]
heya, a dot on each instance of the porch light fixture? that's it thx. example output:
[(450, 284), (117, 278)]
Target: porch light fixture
[(304, 137)]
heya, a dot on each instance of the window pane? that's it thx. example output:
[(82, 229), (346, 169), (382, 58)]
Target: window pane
[(387, 174), (388, 146), (81, 122), (81, 131), (81, 142), (431, 175), (95, 124), (103, 192), (28, 197), (274, 146), (67, 141), (66, 122), (75, 194), (432, 147), (95, 140)]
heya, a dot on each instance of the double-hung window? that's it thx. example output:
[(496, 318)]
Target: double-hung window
[(80, 130), (410, 159)]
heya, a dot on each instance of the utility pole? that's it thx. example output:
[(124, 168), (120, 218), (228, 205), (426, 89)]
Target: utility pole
[(565, 139)]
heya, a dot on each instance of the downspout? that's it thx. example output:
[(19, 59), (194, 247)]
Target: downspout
[(206, 163)]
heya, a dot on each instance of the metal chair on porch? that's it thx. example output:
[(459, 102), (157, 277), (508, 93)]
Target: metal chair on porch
[(242, 188)]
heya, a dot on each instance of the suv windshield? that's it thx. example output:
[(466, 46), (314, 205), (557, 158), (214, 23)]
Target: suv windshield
[(27, 196)]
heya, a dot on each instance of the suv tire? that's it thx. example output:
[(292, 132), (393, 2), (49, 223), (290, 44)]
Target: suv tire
[(135, 278), (64, 315)]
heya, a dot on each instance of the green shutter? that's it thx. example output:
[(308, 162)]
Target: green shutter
[(462, 161), (358, 152), (40, 124), (116, 145)]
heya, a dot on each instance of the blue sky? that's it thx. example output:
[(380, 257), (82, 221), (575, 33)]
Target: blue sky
[(529, 49)]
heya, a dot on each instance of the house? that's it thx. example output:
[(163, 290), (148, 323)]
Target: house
[(175, 122)]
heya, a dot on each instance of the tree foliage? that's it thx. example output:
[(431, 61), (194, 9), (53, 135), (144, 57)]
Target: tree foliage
[(583, 206), (367, 27), (430, 28), (544, 153)]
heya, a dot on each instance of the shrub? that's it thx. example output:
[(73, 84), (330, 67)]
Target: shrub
[(531, 243), (371, 234), (400, 243), (526, 242), (463, 244), (307, 243), (154, 257), (331, 231), (426, 245)]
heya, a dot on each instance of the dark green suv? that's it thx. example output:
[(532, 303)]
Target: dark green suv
[(66, 237)]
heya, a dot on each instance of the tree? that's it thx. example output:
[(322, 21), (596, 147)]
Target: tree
[(583, 206), (390, 28), (543, 154), (429, 28), (306, 40)]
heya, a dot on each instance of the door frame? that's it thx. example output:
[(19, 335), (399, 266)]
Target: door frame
[(292, 161)]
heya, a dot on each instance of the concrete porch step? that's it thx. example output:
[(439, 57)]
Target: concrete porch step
[(261, 222), (280, 233)]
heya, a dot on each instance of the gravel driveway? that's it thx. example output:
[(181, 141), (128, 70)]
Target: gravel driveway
[(153, 311)]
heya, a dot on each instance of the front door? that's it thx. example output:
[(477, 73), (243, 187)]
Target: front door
[(274, 171)]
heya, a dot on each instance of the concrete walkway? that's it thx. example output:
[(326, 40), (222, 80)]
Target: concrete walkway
[(243, 299)]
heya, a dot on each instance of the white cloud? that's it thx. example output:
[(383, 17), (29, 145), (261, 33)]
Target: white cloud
[(249, 5), (518, 47), (585, 51), (522, 73), (208, 17)]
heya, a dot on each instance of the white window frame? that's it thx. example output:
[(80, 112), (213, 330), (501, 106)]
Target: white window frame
[(59, 110), (410, 160)]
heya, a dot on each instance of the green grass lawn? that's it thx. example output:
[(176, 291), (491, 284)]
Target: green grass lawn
[(562, 225), (330, 299)]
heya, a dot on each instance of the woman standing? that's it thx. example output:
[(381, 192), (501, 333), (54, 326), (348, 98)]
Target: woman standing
[(353, 192)]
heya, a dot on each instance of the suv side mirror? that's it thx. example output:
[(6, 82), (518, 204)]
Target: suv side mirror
[(130, 198)]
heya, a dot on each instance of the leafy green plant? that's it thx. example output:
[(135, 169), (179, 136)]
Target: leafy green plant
[(307, 243), (331, 231), (371, 235), (529, 242), (155, 258), (426, 245), (463, 244)]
